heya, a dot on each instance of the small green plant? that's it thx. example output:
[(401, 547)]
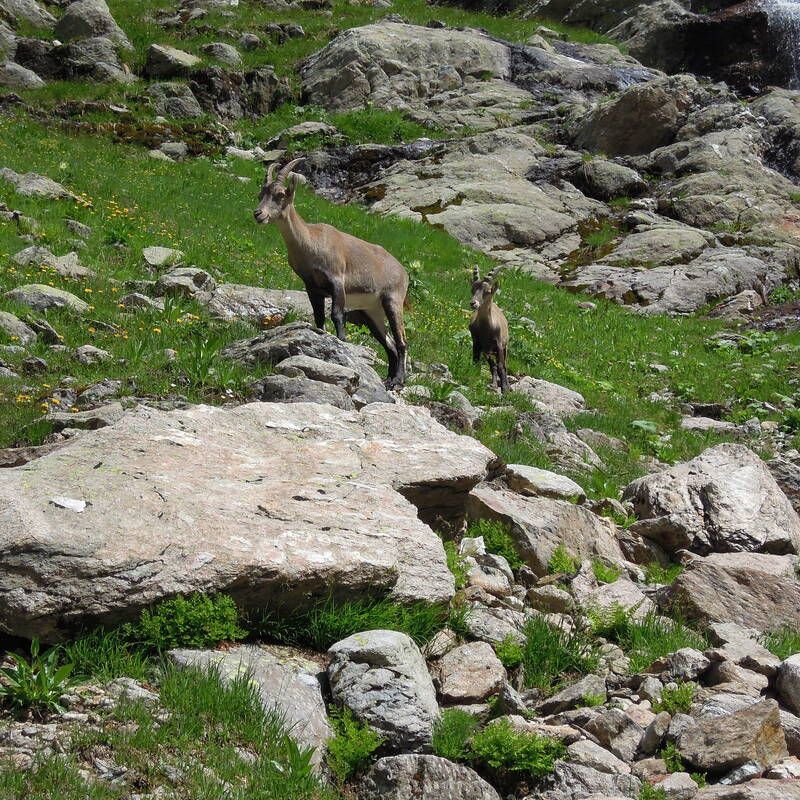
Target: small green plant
[(605, 573), (599, 235), (452, 733), (198, 620), (352, 745), (105, 655), (497, 540), (782, 642), (650, 792), (456, 565), (509, 651), (672, 758), (506, 750), (657, 573), (676, 700), (35, 684), (593, 700), (561, 562)]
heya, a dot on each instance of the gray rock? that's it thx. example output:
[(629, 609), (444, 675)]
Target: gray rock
[(89, 354), (617, 732), (16, 329), (788, 683), (28, 11), (655, 732), (686, 664), (577, 781), (470, 674), (169, 62), (538, 525), (137, 300), (91, 420), (236, 301), (284, 389), (303, 130), (725, 500), (750, 589), (92, 59), (493, 625), (41, 297), (552, 398), (177, 151), (174, 100), (589, 754), (32, 185), (225, 53), (381, 676), (68, 266), (405, 776), (184, 282), (316, 369), (162, 257), (85, 19), (605, 180), (13, 76), (753, 734), (550, 599), (758, 789), (534, 481), (574, 695), (622, 593), (250, 495), (98, 393), (286, 680), (273, 346)]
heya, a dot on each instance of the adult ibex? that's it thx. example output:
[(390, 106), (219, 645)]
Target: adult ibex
[(489, 327), (365, 283)]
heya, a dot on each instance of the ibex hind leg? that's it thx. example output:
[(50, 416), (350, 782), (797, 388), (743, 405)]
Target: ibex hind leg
[(493, 368), (501, 368), (377, 327), (394, 313)]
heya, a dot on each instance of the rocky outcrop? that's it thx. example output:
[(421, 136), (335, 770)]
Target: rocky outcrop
[(85, 19), (40, 297), (382, 678), (725, 500), (25, 11), (271, 503)]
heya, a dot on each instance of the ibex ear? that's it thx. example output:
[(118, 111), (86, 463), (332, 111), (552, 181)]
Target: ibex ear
[(291, 184)]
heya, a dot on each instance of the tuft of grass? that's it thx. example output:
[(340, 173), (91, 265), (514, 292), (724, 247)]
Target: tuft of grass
[(593, 700), (782, 642), (35, 684), (676, 700), (551, 655), (198, 620), (605, 573), (105, 655), (456, 565), (506, 750), (351, 747), (561, 562), (657, 573), (510, 652), (647, 639), (452, 733), (497, 540), (650, 792), (331, 620)]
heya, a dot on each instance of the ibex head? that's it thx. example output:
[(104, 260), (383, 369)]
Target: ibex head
[(483, 288), (277, 193)]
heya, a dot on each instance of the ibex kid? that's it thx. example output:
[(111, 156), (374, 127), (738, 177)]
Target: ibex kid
[(489, 327), (364, 281)]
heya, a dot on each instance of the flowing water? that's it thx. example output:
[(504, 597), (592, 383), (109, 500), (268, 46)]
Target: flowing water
[(784, 19)]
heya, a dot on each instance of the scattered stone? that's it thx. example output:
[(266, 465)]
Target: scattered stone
[(41, 297), (589, 754), (89, 354), (16, 329), (187, 282), (686, 664), (551, 397), (85, 19), (162, 257), (225, 53), (169, 62), (137, 300), (316, 369), (534, 481), (574, 696), (550, 599), (470, 674), (617, 732), (174, 100), (14, 76), (382, 678), (32, 185), (284, 389), (788, 683), (68, 266), (90, 420)]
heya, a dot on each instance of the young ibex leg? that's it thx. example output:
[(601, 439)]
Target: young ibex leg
[(317, 301), (378, 329), (476, 350), (337, 310), (394, 313), (493, 367), (501, 368)]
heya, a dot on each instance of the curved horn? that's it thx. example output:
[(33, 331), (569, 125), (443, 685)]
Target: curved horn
[(271, 171), (492, 276), (476, 275), (284, 173)]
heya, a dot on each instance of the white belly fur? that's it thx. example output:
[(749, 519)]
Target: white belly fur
[(370, 303)]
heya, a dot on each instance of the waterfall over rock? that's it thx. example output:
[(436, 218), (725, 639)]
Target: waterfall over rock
[(784, 19)]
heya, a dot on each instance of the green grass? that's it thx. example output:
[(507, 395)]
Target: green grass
[(677, 700), (105, 655), (647, 639), (510, 652), (452, 733), (352, 745), (782, 642), (331, 620), (36, 682), (562, 562), (497, 540), (456, 565), (552, 657), (657, 573), (605, 573), (218, 736)]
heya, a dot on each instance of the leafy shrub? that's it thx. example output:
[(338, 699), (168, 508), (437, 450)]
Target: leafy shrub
[(677, 699), (456, 565), (605, 573), (646, 639), (650, 792), (509, 651), (497, 540), (330, 620), (452, 732), (352, 745), (562, 562), (36, 684), (593, 700), (502, 748), (656, 573), (105, 655), (196, 621), (782, 642), (551, 655), (672, 758)]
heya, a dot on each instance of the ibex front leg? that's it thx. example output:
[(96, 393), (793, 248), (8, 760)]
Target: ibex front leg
[(337, 310)]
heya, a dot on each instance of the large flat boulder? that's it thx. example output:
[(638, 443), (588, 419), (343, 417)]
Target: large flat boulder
[(85, 19), (540, 524), (272, 503), (751, 589), (725, 500), (25, 11)]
